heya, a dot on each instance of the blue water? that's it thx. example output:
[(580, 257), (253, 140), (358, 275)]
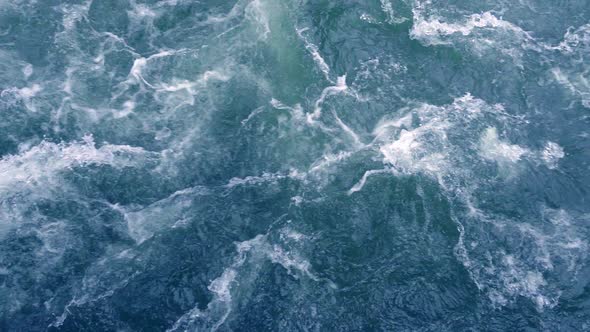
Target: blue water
[(292, 165)]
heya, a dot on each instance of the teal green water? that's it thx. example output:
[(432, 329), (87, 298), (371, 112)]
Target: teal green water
[(291, 165)]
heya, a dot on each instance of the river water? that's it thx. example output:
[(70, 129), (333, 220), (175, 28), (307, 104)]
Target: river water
[(292, 165)]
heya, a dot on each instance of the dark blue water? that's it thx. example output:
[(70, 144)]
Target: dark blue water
[(291, 165)]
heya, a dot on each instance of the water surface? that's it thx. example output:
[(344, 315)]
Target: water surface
[(291, 165)]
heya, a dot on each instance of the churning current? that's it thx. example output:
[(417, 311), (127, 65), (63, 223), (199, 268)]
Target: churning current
[(294, 165)]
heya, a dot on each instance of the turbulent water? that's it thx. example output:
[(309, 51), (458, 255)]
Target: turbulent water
[(292, 165)]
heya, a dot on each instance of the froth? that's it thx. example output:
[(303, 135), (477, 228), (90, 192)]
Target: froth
[(434, 31), (494, 149), (251, 255), (41, 162), (431, 140), (551, 154)]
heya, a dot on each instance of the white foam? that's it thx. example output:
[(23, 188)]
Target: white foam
[(482, 32), (264, 178), (408, 154), (296, 111), (40, 163), (574, 40), (237, 9), (257, 13), (359, 185), (91, 285), (72, 14), (355, 137), (292, 235), (214, 75), (368, 18), (385, 126), (297, 200), (176, 93), (340, 87), (387, 8), (188, 85), (221, 305), (425, 146), (435, 27), (551, 154), (575, 82), (434, 31), (221, 287), (144, 222), (329, 159), (494, 149), (253, 180), (276, 254), (128, 108), (518, 281), (139, 64), (29, 92), (315, 53), (67, 84), (28, 70), (142, 11), (565, 240), (290, 262), (434, 141), (136, 69), (26, 95), (555, 252), (243, 270), (253, 114)]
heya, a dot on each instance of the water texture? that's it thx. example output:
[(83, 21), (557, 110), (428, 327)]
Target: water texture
[(292, 165)]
